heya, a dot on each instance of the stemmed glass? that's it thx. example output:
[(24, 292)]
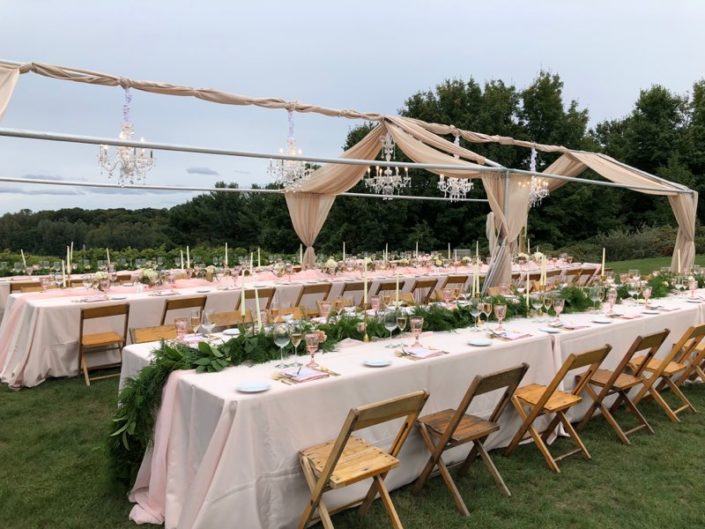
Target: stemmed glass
[(295, 335), (537, 305), (280, 333), (312, 347), (87, 281), (500, 311), (401, 322), (416, 328), (612, 299), (474, 305), (692, 286), (390, 322), (195, 320), (486, 309), (547, 304), (207, 322), (558, 305), (680, 284), (596, 294), (646, 292)]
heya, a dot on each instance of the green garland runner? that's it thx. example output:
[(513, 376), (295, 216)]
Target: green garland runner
[(139, 400)]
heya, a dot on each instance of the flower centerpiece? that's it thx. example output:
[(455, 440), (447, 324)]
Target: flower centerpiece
[(101, 280), (537, 256), (279, 268), (522, 258), (210, 272), (330, 266), (149, 276)]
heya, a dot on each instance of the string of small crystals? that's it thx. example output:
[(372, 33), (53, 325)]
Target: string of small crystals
[(129, 164), (539, 186), (451, 187), (290, 173), (387, 181)]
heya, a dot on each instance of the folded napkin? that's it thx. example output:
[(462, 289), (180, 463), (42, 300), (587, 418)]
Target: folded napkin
[(94, 299), (511, 335), (192, 339), (163, 293), (422, 352), (303, 374)]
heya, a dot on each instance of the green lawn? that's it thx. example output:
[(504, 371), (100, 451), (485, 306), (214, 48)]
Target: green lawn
[(53, 473), (648, 265)]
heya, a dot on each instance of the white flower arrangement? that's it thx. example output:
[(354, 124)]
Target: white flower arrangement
[(537, 256), (467, 259), (523, 256), (149, 276), (100, 276), (404, 262)]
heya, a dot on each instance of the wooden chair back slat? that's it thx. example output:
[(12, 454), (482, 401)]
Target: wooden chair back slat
[(387, 410), (106, 311), (24, 286), (386, 286), (230, 318), (295, 312), (306, 290), (197, 302), (152, 334), (266, 296)]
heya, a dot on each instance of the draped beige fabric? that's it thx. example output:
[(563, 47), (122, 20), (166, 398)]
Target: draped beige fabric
[(8, 80), (491, 232), (308, 212), (684, 205)]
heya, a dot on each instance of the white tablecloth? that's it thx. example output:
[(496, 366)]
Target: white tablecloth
[(225, 459)]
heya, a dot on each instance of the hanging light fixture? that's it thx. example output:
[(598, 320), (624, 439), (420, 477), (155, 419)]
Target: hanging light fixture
[(387, 181), (290, 173), (538, 186), (129, 164), (451, 187)]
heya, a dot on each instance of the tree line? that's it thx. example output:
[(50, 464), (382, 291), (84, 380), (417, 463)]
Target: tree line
[(664, 133)]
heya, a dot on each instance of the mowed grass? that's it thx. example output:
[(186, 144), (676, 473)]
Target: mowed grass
[(648, 265), (53, 473)]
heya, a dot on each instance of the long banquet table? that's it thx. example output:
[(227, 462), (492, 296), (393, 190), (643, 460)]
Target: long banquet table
[(225, 459), (39, 331)]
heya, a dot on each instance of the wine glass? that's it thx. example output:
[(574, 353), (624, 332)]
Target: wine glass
[(295, 335), (181, 325), (647, 294), (325, 309), (611, 299), (692, 286), (547, 303), (390, 322), (312, 347), (486, 308), (280, 333), (416, 328), (401, 322), (475, 306), (195, 320), (537, 304), (500, 311), (558, 305), (447, 295), (374, 303), (87, 281), (207, 322)]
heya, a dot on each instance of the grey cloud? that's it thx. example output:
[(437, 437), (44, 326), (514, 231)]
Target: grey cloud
[(202, 170), (23, 191), (54, 178)]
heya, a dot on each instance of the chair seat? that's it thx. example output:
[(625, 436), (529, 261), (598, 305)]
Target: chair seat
[(470, 427), (623, 382), (359, 460), (559, 401), (655, 364), (101, 339)]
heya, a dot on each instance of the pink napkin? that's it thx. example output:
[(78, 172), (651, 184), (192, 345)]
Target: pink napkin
[(303, 374), (422, 352)]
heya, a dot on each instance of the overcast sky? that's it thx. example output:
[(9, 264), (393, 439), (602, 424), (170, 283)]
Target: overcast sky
[(366, 55)]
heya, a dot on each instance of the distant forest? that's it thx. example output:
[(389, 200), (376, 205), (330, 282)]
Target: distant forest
[(663, 134)]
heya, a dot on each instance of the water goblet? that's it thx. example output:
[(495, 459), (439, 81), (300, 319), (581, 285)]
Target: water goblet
[(416, 328), (475, 310), (390, 322), (325, 307), (207, 322), (500, 311), (280, 333), (87, 281), (558, 305), (312, 340), (537, 304), (646, 292), (181, 325), (611, 299), (692, 286), (447, 295), (195, 320)]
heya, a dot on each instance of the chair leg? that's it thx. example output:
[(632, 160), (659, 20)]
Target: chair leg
[(465, 465), (664, 405), (313, 502), (387, 502), (84, 368), (614, 424), (493, 469), (639, 415), (538, 441), (430, 464), (522, 429), (574, 435), (679, 393)]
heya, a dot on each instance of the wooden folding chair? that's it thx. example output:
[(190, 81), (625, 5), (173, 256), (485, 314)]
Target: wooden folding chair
[(572, 277), (618, 382), (587, 276), (198, 302), (152, 334), (388, 286), (553, 277), (672, 371), (322, 289), (101, 341), (25, 286), (266, 296), (354, 288), (231, 318), (348, 459), (422, 289), (544, 400), (458, 281), (450, 428), (296, 314)]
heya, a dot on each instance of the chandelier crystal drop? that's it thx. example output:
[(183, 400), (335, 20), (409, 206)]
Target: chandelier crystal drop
[(538, 186), (290, 173), (387, 181), (128, 164), (454, 188)]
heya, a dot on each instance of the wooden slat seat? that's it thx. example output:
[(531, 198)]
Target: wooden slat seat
[(469, 425), (623, 381), (558, 401), (655, 364), (101, 339), (359, 461)]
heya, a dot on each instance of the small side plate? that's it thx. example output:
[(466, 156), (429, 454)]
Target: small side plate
[(378, 362), (550, 330), (480, 342), (253, 387), (118, 298), (602, 321), (232, 332)]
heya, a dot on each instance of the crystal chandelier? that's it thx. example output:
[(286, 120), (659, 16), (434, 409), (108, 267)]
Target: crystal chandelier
[(289, 173), (388, 181), (454, 188), (538, 186), (129, 164)]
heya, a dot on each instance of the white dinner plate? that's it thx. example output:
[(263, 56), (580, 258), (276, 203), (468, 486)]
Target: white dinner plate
[(550, 330), (253, 387), (650, 311), (203, 291), (480, 342), (694, 301), (232, 332), (378, 362), (602, 321), (118, 298)]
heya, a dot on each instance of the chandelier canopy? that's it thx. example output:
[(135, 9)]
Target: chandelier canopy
[(129, 164), (387, 181), (290, 173)]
